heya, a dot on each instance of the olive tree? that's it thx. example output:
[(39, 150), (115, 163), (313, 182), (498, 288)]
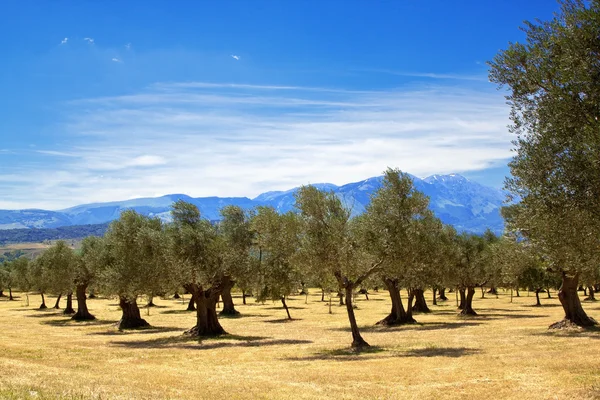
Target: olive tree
[(57, 270), (136, 263), (554, 95)]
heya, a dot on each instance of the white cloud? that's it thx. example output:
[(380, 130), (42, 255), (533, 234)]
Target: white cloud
[(115, 59), (89, 40), (208, 139), (237, 58), (128, 46), (64, 41)]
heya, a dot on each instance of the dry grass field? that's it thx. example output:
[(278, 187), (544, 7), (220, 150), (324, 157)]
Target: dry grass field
[(506, 353)]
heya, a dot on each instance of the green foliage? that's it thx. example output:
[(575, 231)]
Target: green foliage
[(55, 269), (137, 261), (277, 242)]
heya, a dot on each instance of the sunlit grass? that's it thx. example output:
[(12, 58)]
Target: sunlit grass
[(506, 352)]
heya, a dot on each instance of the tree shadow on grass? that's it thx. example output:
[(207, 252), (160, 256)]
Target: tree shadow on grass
[(452, 352), (67, 321), (281, 308), (208, 343), (282, 320), (47, 313), (142, 330), (513, 315), (425, 326), (177, 312), (540, 306), (591, 332), (346, 354)]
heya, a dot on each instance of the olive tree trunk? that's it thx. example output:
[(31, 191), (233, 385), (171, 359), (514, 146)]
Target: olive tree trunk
[(461, 291), (398, 315), (468, 303), (207, 320), (420, 303), (69, 308), (357, 339), (286, 307), (57, 304), (43, 306), (569, 299), (537, 297), (82, 313), (130, 318), (228, 306), (442, 295)]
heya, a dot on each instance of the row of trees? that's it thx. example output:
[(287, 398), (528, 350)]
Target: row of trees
[(397, 243)]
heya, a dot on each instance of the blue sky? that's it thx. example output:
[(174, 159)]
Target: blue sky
[(115, 100)]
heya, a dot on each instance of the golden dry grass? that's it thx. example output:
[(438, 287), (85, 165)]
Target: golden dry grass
[(505, 353)]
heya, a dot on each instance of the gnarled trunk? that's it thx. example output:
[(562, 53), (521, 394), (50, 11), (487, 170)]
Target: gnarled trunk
[(493, 290), (468, 305), (420, 303), (398, 315), (82, 313), (357, 340), (57, 304), (69, 308), (569, 299), (207, 321), (286, 307), (228, 306), (131, 318)]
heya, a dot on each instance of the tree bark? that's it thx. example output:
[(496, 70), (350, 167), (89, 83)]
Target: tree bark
[(57, 304), (69, 308), (468, 305), (207, 321), (228, 306), (461, 306), (591, 292), (398, 315), (434, 299), (420, 303), (150, 302), (243, 297), (176, 296), (442, 295), (10, 296), (322, 294), (131, 318), (569, 299), (341, 296), (357, 339), (43, 305), (548, 291), (493, 290), (83, 313), (537, 297), (286, 307), (517, 294), (482, 292)]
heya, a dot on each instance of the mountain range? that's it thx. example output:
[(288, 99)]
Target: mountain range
[(467, 205)]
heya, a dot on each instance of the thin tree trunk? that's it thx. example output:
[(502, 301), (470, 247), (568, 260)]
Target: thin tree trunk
[(434, 298), (461, 291), (10, 296), (420, 303), (243, 297), (591, 296), (569, 299), (468, 306), (176, 296), (228, 306), (341, 296), (57, 304), (442, 295), (69, 308), (548, 291), (357, 340), (397, 315), (493, 290), (92, 294), (131, 318), (322, 294), (191, 304), (517, 292), (286, 307), (537, 297), (151, 301), (83, 313), (482, 292), (43, 305)]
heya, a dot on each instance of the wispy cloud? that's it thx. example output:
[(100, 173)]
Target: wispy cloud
[(64, 41), (432, 75), (115, 59), (237, 58), (241, 139), (128, 46), (89, 40)]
